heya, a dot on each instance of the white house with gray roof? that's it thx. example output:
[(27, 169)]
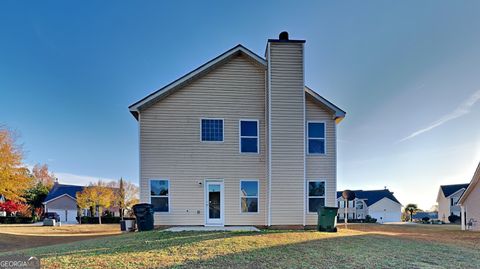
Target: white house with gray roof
[(447, 198), (379, 204)]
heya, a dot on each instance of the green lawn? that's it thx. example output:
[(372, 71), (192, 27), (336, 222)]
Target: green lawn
[(364, 247)]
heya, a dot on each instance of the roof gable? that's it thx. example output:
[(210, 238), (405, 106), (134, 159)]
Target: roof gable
[(371, 197), (451, 189), (62, 189), (339, 114), (195, 74), (471, 186)]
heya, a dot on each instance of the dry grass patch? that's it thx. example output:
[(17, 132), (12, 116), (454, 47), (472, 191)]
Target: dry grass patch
[(65, 230), (368, 246), (20, 236)]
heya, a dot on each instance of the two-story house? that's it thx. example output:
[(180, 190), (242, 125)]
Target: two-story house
[(239, 141), (447, 198), (379, 204)]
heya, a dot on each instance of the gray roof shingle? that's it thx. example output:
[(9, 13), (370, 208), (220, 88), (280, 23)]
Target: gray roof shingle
[(451, 189), (61, 189)]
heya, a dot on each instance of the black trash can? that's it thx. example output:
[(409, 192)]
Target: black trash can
[(144, 216), (327, 218)]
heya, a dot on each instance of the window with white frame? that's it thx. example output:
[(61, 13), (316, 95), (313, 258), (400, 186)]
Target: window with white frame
[(159, 195), (359, 204), (249, 196), (249, 141), (212, 130), (316, 138), (316, 195)]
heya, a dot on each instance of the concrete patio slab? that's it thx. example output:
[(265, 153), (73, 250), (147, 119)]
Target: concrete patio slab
[(213, 228)]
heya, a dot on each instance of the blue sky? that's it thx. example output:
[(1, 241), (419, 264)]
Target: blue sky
[(406, 72)]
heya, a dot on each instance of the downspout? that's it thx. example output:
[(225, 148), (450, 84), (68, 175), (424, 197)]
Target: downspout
[(304, 145)]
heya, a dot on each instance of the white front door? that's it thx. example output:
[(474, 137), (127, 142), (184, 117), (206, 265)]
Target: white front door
[(214, 203)]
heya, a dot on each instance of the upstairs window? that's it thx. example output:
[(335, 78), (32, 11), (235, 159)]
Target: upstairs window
[(316, 195), (359, 205), (316, 138), (249, 196), (159, 195), (249, 136), (212, 130)]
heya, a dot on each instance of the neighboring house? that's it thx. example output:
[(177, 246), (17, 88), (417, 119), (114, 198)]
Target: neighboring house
[(239, 141), (420, 215), (379, 204), (62, 200), (447, 199), (470, 203)]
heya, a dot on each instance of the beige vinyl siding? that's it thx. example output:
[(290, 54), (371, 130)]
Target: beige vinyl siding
[(322, 167), (472, 207), (287, 133), (170, 146)]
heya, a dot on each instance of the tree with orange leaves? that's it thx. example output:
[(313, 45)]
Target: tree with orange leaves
[(14, 176), (43, 175)]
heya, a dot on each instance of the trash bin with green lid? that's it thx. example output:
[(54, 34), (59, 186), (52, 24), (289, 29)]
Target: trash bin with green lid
[(144, 216), (327, 219)]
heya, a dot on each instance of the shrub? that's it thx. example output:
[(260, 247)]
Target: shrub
[(9, 206), (105, 220), (15, 220), (454, 218), (369, 219)]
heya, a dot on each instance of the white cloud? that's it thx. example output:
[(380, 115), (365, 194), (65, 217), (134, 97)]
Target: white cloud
[(463, 109), (67, 178)]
